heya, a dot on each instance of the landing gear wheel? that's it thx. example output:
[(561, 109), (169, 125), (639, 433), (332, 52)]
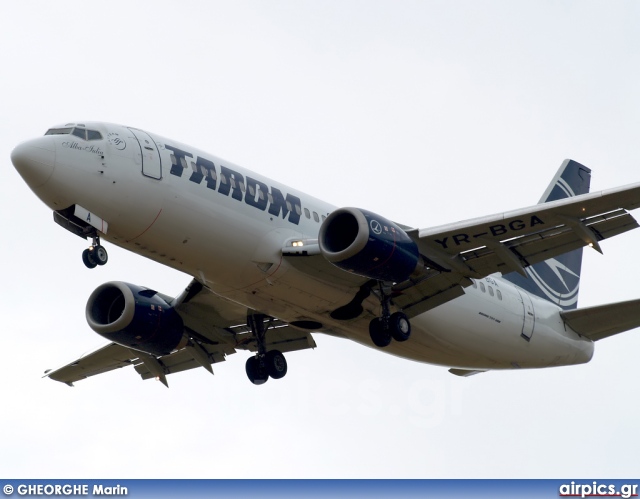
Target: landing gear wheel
[(99, 255), (399, 326), (379, 332), (88, 260), (276, 364), (256, 373)]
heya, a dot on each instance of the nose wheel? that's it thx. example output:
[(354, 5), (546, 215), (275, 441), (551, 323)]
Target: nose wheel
[(95, 254)]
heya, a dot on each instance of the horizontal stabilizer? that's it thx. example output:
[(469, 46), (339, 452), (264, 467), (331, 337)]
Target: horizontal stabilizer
[(603, 321)]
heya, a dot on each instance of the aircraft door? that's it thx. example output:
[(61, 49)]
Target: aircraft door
[(529, 317), (149, 154)]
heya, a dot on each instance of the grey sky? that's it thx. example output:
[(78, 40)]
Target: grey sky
[(426, 112)]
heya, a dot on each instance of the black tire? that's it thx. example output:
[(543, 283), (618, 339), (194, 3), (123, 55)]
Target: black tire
[(276, 364), (380, 335), (399, 326), (99, 255), (256, 374), (88, 260)]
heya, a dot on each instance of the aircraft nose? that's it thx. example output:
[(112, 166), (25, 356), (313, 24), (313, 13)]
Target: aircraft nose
[(35, 160)]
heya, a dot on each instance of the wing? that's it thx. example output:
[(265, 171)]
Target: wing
[(597, 323), (506, 242), (512, 241), (106, 358), (215, 328)]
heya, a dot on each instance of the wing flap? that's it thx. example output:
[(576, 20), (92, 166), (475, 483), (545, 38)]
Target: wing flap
[(182, 360), (597, 323), (546, 244), (281, 337)]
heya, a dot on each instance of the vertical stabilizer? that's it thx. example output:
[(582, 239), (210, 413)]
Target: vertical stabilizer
[(558, 279)]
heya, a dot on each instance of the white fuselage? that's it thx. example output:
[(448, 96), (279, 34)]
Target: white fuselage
[(231, 239)]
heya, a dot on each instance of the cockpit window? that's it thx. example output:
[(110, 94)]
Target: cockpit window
[(58, 131), (80, 132)]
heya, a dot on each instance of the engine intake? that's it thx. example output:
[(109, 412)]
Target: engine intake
[(367, 244), (134, 317)]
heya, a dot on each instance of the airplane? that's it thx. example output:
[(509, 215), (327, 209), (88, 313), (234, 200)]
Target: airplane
[(270, 265)]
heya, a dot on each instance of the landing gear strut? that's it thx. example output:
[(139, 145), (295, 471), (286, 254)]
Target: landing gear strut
[(95, 254), (264, 364), (390, 326)]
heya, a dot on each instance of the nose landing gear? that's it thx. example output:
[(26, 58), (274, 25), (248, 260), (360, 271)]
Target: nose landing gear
[(95, 254)]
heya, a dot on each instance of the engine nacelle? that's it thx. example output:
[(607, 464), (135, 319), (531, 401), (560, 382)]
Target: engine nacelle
[(367, 244), (134, 317)]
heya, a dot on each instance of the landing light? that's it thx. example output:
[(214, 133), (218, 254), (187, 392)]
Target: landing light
[(297, 244)]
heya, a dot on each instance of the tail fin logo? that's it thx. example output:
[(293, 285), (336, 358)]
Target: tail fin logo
[(558, 279), (565, 187), (561, 285)]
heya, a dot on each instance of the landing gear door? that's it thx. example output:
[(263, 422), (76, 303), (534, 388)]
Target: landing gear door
[(149, 154)]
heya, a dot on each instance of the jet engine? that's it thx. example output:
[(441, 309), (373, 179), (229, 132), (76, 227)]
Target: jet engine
[(134, 317), (369, 245)]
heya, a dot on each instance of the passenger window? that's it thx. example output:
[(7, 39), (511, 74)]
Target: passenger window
[(482, 287), (93, 135), (316, 217), (475, 285), (261, 194), (306, 213), (183, 162), (298, 210), (323, 218), (499, 294), (490, 290), (223, 178), (242, 187), (270, 197), (252, 191), (79, 132), (174, 161), (289, 207)]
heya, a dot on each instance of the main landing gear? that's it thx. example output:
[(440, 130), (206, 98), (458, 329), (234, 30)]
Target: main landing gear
[(390, 326), (264, 364), (95, 254)]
